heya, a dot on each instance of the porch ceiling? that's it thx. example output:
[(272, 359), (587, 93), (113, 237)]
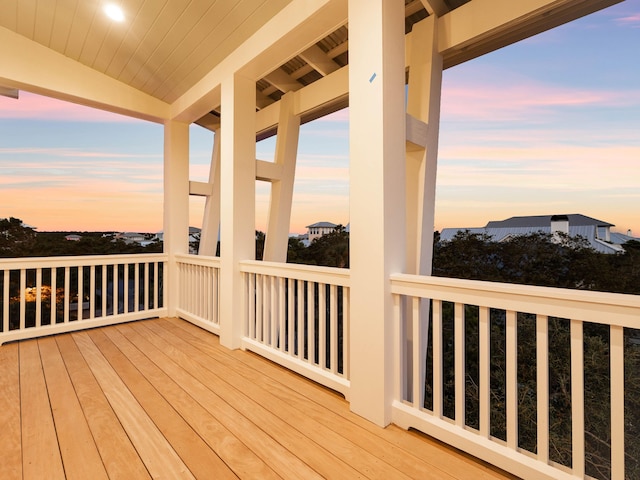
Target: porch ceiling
[(164, 48)]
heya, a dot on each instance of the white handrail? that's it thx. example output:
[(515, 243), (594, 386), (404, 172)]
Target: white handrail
[(298, 316), (616, 311), (74, 303), (198, 290)]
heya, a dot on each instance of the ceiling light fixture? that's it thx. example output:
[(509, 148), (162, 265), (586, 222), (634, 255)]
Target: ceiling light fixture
[(114, 12)]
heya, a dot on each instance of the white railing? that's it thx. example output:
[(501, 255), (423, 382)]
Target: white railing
[(198, 283), (298, 316), (436, 385), (49, 295)]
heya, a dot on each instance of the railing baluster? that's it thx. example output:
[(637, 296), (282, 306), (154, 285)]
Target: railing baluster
[(512, 379), (291, 311), (617, 402), (437, 359), (146, 285), (282, 311), (92, 291), (126, 288), (333, 315), (346, 332), (80, 293), (116, 294), (542, 381), (301, 320), (252, 306), (23, 303), (67, 293), (38, 297), (311, 323), (418, 368), (577, 398), (105, 270), (5, 301), (322, 325), (156, 285), (460, 378), (485, 370), (54, 295), (273, 320), (136, 287), (259, 307)]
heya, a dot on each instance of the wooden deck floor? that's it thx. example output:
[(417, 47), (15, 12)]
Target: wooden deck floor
[(162, 399)]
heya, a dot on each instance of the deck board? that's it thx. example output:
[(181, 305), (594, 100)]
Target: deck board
[(40, 451), (118, 454), (79, 452), (162, 398), (10, 434)]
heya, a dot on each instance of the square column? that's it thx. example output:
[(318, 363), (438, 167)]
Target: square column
[(237, 201), (176, 204), (377, 197)]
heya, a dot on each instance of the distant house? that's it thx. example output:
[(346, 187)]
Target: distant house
[(597, 232), (319, 229), (130, 237), (194, 239), (72, 238)]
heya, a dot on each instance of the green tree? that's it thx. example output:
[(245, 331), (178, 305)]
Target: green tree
[(15, 237)]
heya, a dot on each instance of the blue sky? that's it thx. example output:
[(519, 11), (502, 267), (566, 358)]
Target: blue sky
[(549, 125)]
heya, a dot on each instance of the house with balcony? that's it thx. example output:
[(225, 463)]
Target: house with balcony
[(318, 229), (194, 366)]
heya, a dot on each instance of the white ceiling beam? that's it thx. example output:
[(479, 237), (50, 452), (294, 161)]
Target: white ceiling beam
[(319, 60), (309, 101), (331, 92), (437, 7), (283, 81), (482, 26), (29, 66), (298, 26)]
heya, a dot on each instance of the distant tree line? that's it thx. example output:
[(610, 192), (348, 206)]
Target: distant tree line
[(330, 250), (542, 259), (18, 240)]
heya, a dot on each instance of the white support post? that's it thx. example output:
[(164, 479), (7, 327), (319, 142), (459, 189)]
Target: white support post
[(176, 204), (423, 109), (423, 104), (211, 217), (277, 241), (377, 203), (237, 193)]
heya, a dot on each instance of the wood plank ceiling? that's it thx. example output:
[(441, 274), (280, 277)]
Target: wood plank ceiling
[(164, 47)]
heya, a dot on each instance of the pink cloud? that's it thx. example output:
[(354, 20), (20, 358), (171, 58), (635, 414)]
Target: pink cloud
[(32, 106), (632, 20)]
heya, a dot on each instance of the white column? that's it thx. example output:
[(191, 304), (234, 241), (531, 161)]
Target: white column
[(237, 200), (176, 203), (377, 203)]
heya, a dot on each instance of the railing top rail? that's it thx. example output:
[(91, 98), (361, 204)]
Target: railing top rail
[(598, 307), (204, 260), (76, 261), (330, 275)]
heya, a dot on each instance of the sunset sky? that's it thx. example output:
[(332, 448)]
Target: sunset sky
[(548, 126)]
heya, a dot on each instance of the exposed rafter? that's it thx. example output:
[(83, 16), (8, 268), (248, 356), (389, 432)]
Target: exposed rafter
[(437, 7)]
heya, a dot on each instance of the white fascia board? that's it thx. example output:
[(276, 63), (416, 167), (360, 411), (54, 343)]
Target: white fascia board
[(298, 26), (27, 65)]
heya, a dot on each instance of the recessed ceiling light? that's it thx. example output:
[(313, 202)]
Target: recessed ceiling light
[(114, 12)]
